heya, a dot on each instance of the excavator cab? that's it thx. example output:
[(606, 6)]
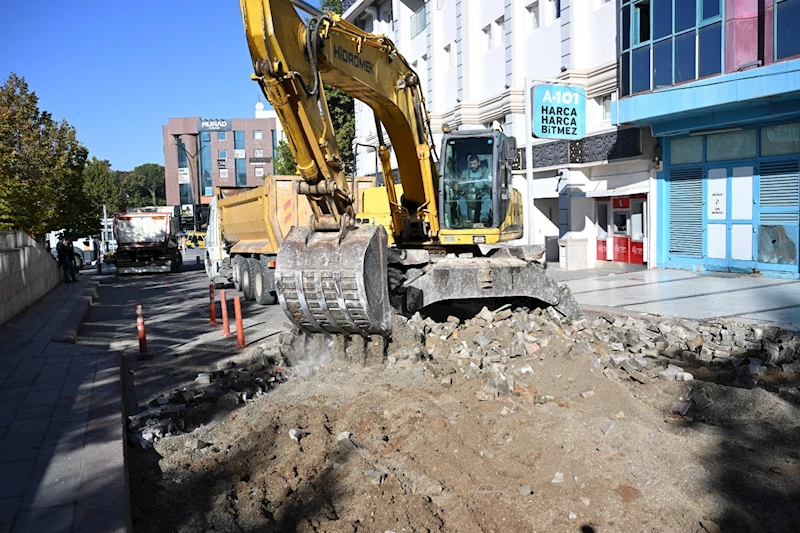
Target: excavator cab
[(475, 180)]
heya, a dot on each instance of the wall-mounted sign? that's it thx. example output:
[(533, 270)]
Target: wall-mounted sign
[(717, 184), (222, 163), (259, 171), (260, 160), (187, 210), (183, 175), (559, 112), (239, 154), (213, 124), (223, 174)]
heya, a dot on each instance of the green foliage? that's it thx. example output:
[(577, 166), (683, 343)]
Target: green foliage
[(284, 163), (331, 5), (343, 115), (144, 185), (102, 187), (41, 166)]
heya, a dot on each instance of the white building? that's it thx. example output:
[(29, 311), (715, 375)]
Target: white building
[(475, 57)]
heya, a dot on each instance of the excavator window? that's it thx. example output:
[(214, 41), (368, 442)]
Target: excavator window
[(468, 182)]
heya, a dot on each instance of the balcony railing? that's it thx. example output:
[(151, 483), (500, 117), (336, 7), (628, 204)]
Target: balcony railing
[(609, 146), (418, 22)]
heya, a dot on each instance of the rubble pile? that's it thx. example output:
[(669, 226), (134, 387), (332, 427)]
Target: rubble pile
[(166, 415)]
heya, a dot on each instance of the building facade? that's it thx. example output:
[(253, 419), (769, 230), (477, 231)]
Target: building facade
[(200, 154), (590, 199), (718, 82)]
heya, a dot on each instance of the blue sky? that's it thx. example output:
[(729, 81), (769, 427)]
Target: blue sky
[(117, 71)]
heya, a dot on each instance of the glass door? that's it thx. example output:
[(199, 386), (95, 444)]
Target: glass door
[(730, 227)]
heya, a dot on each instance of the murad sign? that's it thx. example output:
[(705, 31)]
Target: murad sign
[(559, 112)]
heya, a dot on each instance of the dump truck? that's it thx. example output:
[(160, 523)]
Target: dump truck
[(246, 226), (147, 240)]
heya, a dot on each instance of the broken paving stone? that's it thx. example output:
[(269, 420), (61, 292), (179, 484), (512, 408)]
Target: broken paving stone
[(486, 315), (374, 477), (532, 347), (343, 435), (588, 394), (700, 399), (671, 373), (543, 398), (203, 378), (606, 427), (195, 444), (610, 373), (684, 376), (709, 526), (447, 382), (297, 434), (558, 478), (502, 315), (639, 376), (681, 407), (792, 368), (573, 516)]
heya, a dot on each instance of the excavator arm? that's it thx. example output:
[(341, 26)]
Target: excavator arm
[(291, 57), (331, 275)]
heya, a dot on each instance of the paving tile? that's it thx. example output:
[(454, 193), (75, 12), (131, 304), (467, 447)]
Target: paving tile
[(40, 398), (8, 511), (34, 412), (54, 480), (22, 447), (66, 429), (6, 417), (15, 478), (108, 519), (50, 520), (30, 425)]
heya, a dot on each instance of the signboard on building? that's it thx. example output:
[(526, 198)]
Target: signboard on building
[(183, 175), (223, 174), (260, 160), (239, 154), (214, 124), (259, 171), (222, 163), (187, 210), (559, 112)]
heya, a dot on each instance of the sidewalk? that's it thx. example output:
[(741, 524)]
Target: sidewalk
[(697, 295), (61, 422)]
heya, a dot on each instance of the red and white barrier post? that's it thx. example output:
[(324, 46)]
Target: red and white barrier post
[(140, 329)]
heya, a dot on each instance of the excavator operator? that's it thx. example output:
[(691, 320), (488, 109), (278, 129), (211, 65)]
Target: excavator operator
[(473, 189)]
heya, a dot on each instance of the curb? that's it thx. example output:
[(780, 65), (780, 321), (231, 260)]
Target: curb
[(68, 332)]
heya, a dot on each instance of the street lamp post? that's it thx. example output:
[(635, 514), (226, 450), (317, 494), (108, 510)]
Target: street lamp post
[(192, 166)]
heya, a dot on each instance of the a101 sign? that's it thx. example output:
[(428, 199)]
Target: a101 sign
[(559, 112)]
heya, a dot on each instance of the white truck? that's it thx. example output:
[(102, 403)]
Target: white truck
[(147, 240)]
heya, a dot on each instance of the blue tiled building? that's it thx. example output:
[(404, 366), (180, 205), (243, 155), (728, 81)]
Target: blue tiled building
[(718, 83)]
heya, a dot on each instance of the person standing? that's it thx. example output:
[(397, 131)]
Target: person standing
[(64, 259)]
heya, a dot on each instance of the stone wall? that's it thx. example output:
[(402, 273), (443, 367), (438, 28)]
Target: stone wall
[(27, 273)]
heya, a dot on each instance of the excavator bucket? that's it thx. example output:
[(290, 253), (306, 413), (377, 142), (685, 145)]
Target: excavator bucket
[(335, 282)]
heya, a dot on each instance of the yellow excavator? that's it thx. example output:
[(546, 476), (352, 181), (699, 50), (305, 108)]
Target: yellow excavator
[(445, 226)]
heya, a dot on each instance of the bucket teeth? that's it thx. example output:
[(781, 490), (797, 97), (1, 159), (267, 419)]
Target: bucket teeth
[(329, 286)]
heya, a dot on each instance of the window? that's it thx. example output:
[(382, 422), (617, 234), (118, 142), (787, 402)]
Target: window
[(418, 22), (780, 140), (487, 37), (238, 140), (500, 32), (731, 145), (258, 152), (183, 161), (787, 20), (467, 183), (553, 10), (664, 42), (533, 17), (606, 103), (223, 154), (241, 173), (274, 142), (206, 183), (256, 135), (684, 151), (222, 135)]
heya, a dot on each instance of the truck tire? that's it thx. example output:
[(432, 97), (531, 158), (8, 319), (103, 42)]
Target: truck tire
[(248, 276), (177, 263), (238, 269), (262, 294)]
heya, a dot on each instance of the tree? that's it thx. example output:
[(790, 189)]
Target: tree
[(145, 185), (102, 186), (41, 166), (284, 162)]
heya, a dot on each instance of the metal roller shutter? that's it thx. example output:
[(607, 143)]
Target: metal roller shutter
[(686, 212)]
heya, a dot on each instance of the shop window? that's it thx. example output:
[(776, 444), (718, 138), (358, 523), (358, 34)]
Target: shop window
[(780, 140), (620, 222), (626, 27), (684, 151), (602, 221), (787, 21), (637, 221), (732, 145)]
